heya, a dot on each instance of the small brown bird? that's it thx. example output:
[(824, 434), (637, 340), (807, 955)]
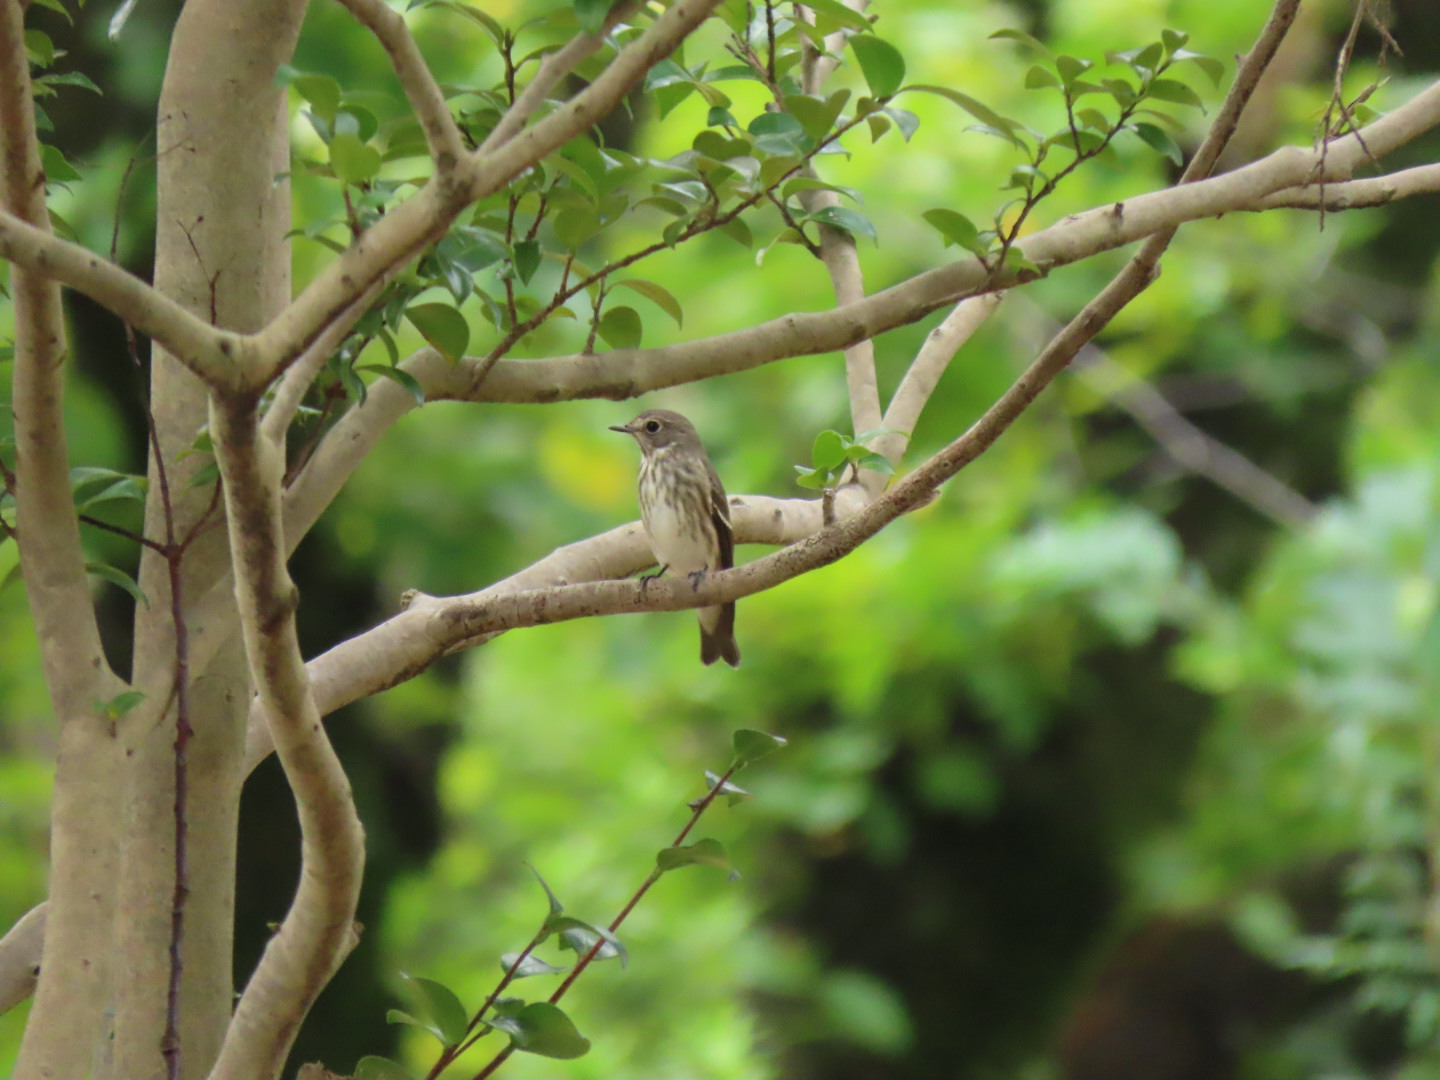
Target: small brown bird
[(687, 516)]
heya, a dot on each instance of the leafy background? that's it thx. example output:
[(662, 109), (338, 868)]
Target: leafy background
[(1093, 770)]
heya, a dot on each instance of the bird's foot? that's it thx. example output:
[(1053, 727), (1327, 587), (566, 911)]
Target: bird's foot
[(696, 577)]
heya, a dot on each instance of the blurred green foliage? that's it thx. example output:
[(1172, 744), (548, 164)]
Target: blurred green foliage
[(1081, 692)]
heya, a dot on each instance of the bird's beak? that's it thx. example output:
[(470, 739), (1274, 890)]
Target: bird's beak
[(624, 429)]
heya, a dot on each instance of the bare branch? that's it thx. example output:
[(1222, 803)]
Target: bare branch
[(215, 355), (925, 371), (318, 931), (552, 69), (442, 135), (1191, 447), (1356, 194)]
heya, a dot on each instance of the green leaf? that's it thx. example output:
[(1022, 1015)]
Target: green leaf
[(527, 260), (591, 13), (1000, 125), (1038, 78), (1173, 40), (58, 170), (531, 965), (118, 577), (321, 91), (812, 478), (400, 1016), (1159, 139), (120, 704), (544, 1029), (733, 792), (401, 376), (658, 295), (555, 906), (701, 853), (1174, 90), (874, 462), (620, 327), (843, 217), (374, 1067), (354, 162), (880, 63), (828, 451), (955, 228), (580, 937), (751, 745), (1021, 38), (1208, 64), (443, 327), (439, 1004), (843, 15), (574, 225)]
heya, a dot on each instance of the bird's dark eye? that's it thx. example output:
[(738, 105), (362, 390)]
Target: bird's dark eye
[(652, 426)]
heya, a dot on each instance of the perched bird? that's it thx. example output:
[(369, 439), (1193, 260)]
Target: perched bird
[(687, 517)]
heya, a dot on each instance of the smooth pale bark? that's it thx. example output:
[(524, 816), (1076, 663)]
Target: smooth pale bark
[(221, 254)]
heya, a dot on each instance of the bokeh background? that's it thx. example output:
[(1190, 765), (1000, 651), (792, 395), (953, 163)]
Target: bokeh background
[(1095, 770)]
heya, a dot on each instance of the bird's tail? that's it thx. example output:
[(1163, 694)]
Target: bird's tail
[(717, 635)]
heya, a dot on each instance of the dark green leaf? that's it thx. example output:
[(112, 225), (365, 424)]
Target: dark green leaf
[(751, 745), (880, 63), (555, 906), (1173, 40), (401, 376), (400, 1016), (705, 852), (843, 217), (527, 260), (574, 225), (1158, 139), (621, 328), (118, 577), (657, 295), (373, 1067), (71, 78), (443, 327), (439, 1005), (733, 792), (57, 169), (542, 1028)]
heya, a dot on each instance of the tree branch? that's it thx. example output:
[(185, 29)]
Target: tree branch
[(924, 373), (401, 234), (20, 958), (318, 931), (216, 356), (442, 134)]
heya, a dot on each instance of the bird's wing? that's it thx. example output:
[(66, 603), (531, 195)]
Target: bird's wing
[(720, 515)]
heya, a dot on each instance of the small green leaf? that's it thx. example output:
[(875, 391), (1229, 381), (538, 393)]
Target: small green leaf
[(1208, 64), (443, 327), (812, 478), (544, 1029), (118, 577), (847, 219), (440, 1005), (321, 91), (400, 1016), (828, 451), (844, 16), (733, 792), (1174, 90), (874, 462), (658, 295), (705, 852), (580, 937), (994, 122), (1021, 38), (527, 260), (751, 745), (955, 228), (1158, 139), (531, 965), (880, 63), (1038, 78), (120, 704), (58, 169), (620, 327), (354, 162), (555, 906), (401, 376), (374, 1067)]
